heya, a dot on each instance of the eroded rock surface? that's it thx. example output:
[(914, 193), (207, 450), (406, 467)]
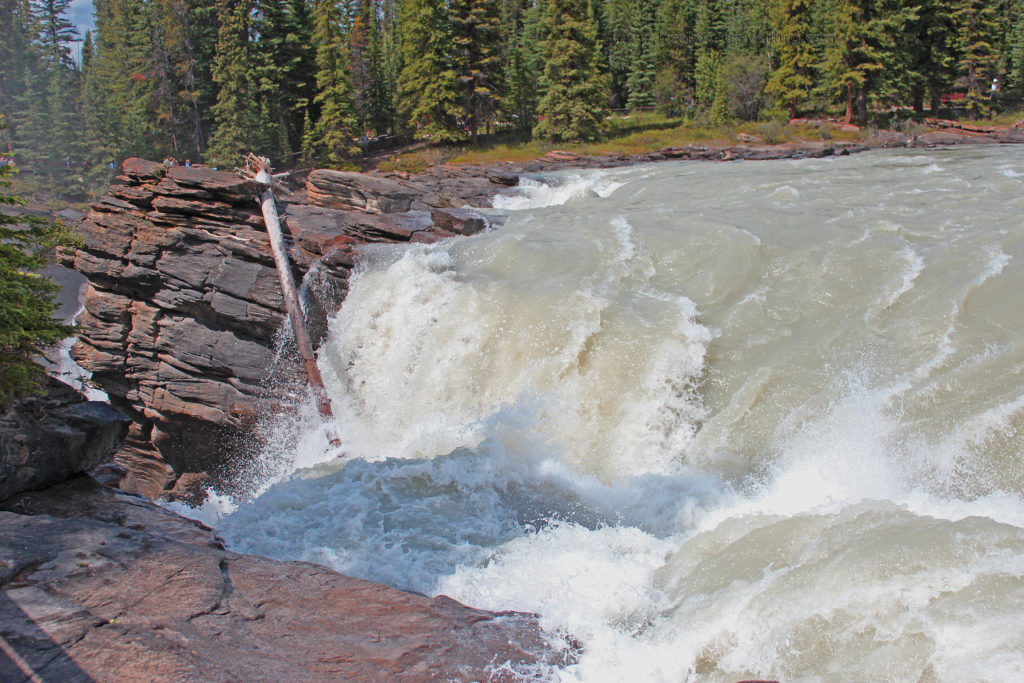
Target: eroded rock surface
[(99, 585)]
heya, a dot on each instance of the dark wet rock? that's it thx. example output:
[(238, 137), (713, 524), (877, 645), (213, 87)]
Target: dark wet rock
[(98, 585), (459, 221), (46, 439)]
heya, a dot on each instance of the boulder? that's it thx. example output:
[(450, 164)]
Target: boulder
[(46, 439), (358, 192), (97, 585), (459, 221)]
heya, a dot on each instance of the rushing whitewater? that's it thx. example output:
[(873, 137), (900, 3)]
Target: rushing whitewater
[(714, 421)]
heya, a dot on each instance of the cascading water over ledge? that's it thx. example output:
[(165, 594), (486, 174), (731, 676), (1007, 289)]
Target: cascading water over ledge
[(777, 434)]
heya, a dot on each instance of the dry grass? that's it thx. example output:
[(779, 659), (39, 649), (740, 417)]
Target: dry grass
[(627, 135)]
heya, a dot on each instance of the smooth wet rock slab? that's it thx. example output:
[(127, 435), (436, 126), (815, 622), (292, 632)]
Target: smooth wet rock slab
[(100, 585)]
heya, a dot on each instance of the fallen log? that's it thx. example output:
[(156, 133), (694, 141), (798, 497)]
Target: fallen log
[(259, 168)]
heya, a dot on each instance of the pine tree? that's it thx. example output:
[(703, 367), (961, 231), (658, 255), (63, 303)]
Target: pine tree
[(621, 17), (523, 65), (575, 92), (640, 83), (793, 79), (330, 138), (428, 93), (675, 55), (929, 53), (476, 33), (977, 29), (236, 112), (1016, 48), (853, 55), (27, 325), (282, 61)]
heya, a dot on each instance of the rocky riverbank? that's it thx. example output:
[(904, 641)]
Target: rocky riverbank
[(100, 585)]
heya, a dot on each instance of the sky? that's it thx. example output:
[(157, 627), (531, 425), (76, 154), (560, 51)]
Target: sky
[(80, 14)]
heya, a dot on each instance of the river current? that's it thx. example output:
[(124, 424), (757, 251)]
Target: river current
[(714, 421)]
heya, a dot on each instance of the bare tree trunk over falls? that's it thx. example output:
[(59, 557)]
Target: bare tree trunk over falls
[(261, 168)]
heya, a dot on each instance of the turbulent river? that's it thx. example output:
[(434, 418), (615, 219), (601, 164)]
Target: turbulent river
[(714, 421)]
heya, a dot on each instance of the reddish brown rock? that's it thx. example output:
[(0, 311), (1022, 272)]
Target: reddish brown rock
[(358, 192), (96, 585)]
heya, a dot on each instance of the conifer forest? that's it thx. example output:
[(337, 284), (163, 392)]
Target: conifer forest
[(321, 81)]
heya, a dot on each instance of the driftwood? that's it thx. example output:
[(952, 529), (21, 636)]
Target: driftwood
[(967, 128), (258, 168)]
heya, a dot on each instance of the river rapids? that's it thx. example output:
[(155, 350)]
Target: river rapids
[(712, 421)]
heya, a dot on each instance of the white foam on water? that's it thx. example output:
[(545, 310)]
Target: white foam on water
[(533, 193), (546, 418)]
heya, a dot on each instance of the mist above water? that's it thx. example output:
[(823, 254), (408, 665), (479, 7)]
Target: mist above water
[(717, 421)]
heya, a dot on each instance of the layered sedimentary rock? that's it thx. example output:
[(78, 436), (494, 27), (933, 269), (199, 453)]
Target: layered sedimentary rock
[(99, 585), (183, 302)]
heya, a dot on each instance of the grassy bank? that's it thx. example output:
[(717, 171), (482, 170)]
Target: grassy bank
[(627, 135), (650, 132)]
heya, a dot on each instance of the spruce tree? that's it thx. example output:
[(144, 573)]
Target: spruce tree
[(640, 83), (1016, 48), (331, 137), (282, 60), (428, 92), (573, 105), (675, 55), (977, 28), (928, 52), (620, 19), (794, 77), (476, 37), (27, 305), (523, 66), (853, 55), (236, 112)]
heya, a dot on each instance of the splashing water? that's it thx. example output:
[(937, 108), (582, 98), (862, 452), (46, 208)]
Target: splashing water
[(715, 421)]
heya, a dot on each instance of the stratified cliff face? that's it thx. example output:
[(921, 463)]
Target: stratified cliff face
[(183, 302)]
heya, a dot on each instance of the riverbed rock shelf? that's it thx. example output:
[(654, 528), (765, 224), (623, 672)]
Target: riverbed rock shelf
[(100, 585)]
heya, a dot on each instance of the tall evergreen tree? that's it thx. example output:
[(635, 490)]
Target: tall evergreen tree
[(640, 83), (620, 22), (282, 60), (852, 55), (675, 55), (977, 29), (793, 79), (428, 92), (929, 53), (575, 92), (477, 36), (1016, 47), (27, 325), (236, 113), (330, 138), (524, 64)]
